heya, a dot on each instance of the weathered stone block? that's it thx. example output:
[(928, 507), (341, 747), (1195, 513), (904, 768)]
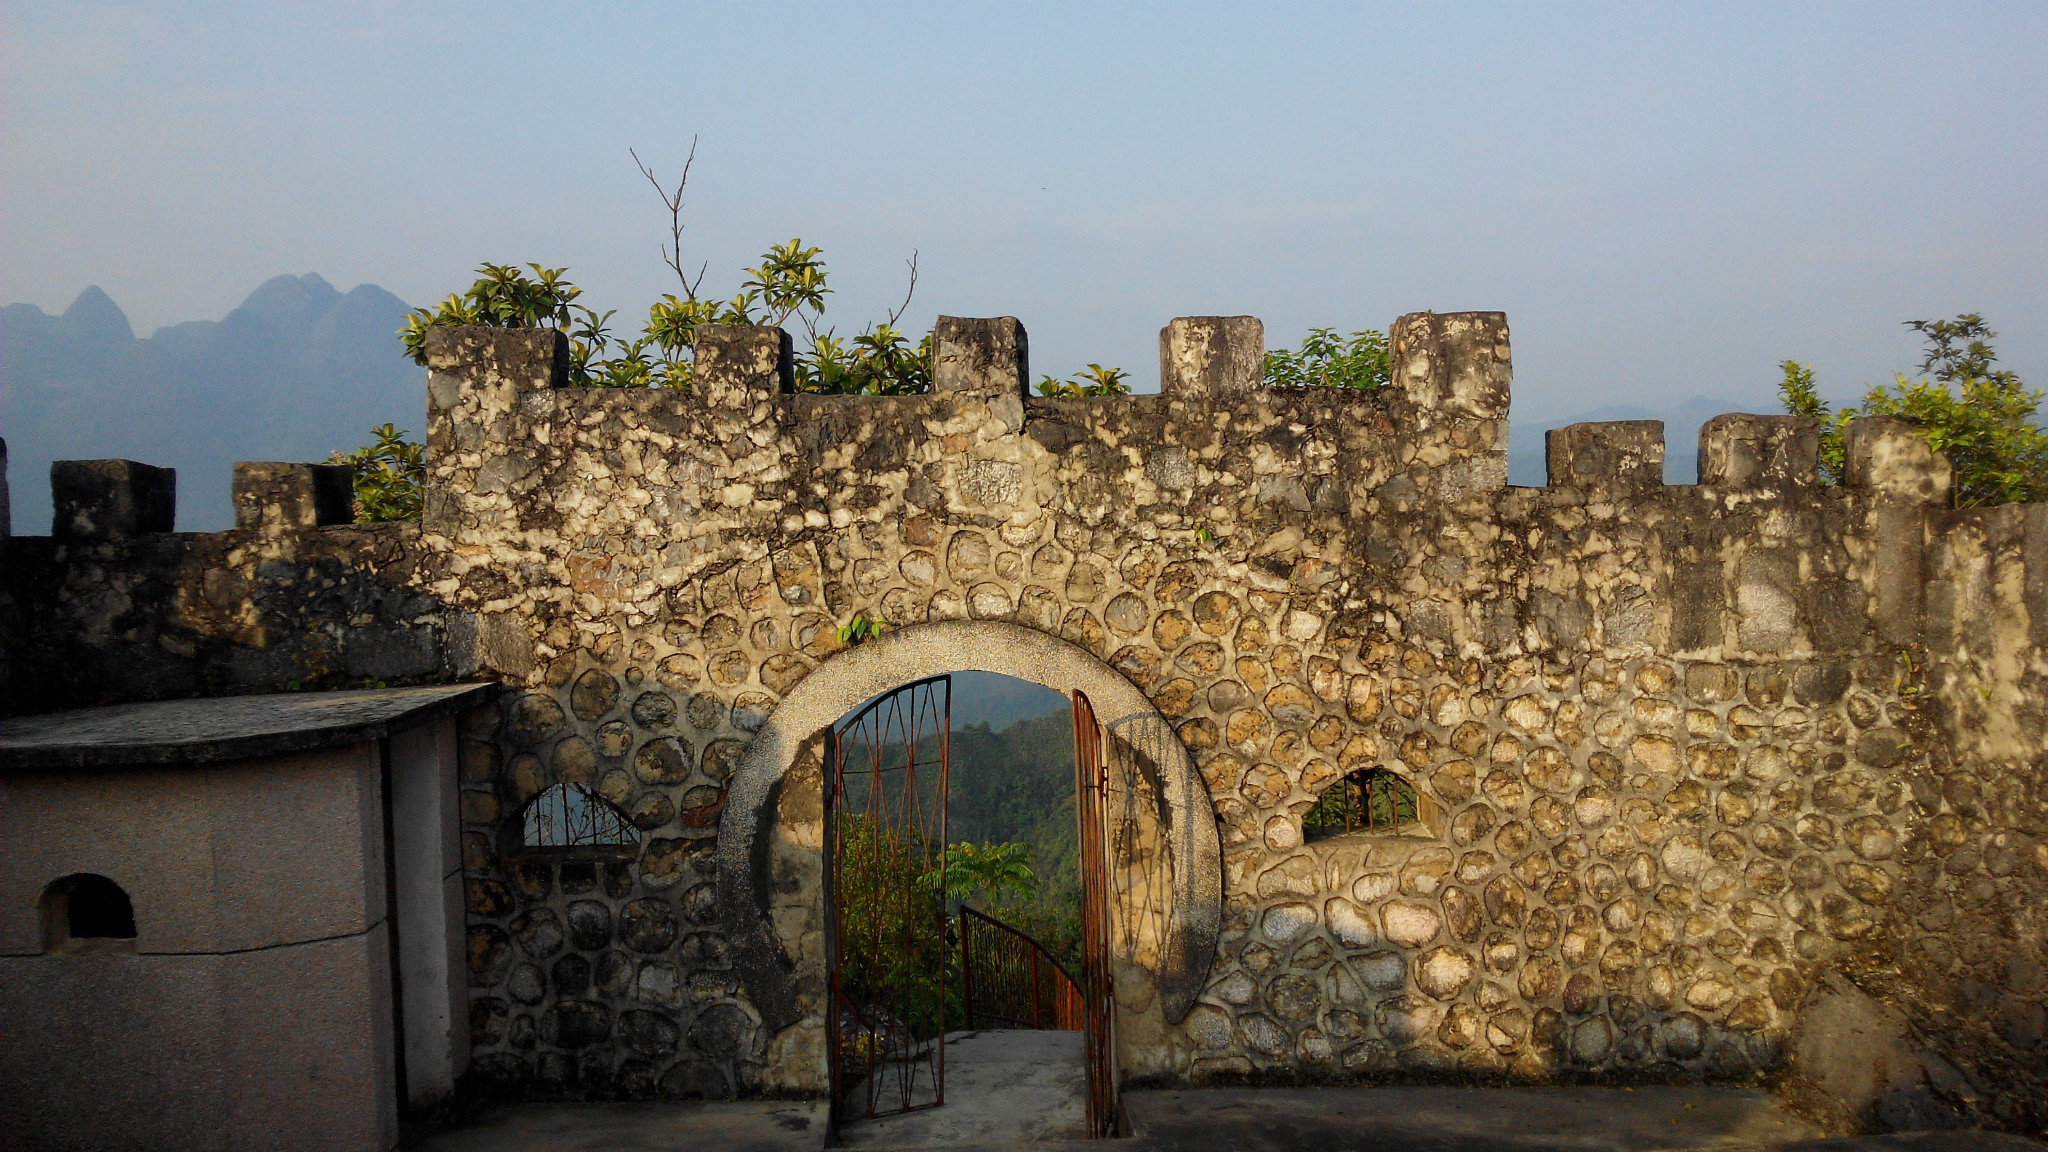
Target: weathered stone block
[(99, 499), (523, 358), (1455, 363), (1625, 454), (1743, 450), (1889, 458), (476, 379), (2034, 556), (292, 497), (1211, 356), (737, 364), (984, 358), (1899, 573)]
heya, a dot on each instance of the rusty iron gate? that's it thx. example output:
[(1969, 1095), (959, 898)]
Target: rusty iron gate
[(1098, 977), (885, 847)]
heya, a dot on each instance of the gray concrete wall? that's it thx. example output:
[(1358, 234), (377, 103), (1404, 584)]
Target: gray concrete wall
[(255, 1010), (216, 859), (427, 857)]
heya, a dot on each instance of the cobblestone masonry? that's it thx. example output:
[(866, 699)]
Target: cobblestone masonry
[(1687, 748)]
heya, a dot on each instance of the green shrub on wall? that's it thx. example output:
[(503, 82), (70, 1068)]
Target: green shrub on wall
[(389, 476), (1980, 415), (1327, 360)]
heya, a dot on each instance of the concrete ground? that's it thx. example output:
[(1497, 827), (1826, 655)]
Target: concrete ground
[(1456, 1119), (724, 1125), (1015, 1103), (1003, 1088)]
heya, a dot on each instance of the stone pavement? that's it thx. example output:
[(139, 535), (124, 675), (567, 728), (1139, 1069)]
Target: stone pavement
[(1392, 1119)]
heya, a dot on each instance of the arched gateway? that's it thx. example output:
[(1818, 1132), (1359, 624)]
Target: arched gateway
[(770, 863)]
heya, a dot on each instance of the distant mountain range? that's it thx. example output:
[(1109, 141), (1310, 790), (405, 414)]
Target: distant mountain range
[(297, 371), (1000, 701)]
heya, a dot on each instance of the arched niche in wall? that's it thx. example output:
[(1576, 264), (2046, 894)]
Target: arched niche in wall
[(87, 912), (1373, 802), (772, 817)]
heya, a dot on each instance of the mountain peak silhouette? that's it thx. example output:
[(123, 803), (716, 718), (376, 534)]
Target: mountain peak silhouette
[(296, 371), (290, 299), (94, 317)]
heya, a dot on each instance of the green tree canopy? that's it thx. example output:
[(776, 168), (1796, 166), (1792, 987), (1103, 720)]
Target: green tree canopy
[(1327, 360), (1980, 415)]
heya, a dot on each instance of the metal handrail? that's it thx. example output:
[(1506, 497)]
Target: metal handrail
[(1063, 1006)]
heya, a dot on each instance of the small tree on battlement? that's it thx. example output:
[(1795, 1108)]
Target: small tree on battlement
[(789, 285), (1327, 360), (1980, 415), (390, 476)]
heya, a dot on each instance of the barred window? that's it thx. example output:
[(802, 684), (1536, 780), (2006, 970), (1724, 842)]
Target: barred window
[(574, 816), (1374, 800)]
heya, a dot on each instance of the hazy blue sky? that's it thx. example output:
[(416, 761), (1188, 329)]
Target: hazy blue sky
[(1666, 199)]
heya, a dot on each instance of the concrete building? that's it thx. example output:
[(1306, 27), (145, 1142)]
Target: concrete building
[(231, 923)]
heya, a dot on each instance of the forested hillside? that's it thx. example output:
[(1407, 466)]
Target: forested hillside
[(1017, 785)]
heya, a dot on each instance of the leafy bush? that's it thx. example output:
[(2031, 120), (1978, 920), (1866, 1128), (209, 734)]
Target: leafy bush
[(892, 924), (389, 476), (1981, 416), (790, 284), (878, 362), (1096, 381), (1326, 360), (789, 281)]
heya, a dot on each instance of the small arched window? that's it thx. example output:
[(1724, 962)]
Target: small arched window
[(87, 912), (1374, 800), (574, 819)]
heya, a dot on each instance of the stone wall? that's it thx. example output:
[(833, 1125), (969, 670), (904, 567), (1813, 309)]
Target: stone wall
[(1693, 747)]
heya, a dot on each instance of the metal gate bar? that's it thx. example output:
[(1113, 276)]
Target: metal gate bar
[(1091, 778), (885, 830)]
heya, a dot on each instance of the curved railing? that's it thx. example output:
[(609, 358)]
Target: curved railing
[(1009, 980)]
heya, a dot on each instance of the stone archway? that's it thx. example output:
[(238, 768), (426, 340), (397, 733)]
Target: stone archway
[(770, 881)]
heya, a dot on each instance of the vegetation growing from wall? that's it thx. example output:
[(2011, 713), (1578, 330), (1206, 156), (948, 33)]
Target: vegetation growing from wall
[(390, 475), (1096, 381), (1980, 415), (789, 285), (1327, 360)]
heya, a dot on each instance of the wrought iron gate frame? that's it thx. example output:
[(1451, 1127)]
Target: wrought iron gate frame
[(835, 996), (1091, 779)]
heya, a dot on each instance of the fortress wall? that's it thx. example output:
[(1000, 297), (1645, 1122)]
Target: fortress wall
[(1693, 747)]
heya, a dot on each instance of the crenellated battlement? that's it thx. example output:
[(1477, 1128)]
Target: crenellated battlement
[(1449, 369), (572, 492), (1690, 750)]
